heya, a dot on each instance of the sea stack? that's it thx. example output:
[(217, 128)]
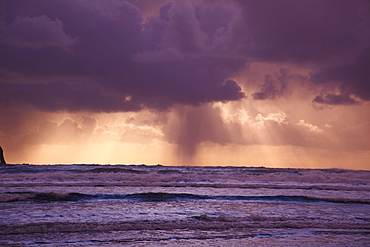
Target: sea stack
[(2, 160)]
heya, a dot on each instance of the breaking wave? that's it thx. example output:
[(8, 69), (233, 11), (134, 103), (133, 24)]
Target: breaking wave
[(202, 222), (163, 197)]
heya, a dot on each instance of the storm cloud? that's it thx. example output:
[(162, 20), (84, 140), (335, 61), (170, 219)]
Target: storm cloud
[(78, 55), (226, 72), (70, 56)]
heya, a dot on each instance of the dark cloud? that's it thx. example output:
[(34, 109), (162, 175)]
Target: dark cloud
[(102, 56), (334, 99), (302, 31), (332, 36), (61, 96), (37, 32), (353, 79), (95, 55), (120, 63), (272, 88)]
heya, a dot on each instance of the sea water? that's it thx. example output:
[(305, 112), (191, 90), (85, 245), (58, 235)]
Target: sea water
[(139, 205)]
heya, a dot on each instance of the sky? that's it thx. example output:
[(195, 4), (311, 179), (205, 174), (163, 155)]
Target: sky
[(186, 82)]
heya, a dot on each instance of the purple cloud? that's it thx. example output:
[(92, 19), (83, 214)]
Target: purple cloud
[(272, 88), (334, 99), (61, 96), (325, 34), (301, 31), (91, 56), (37, 32), (112, 56), (353, 79)]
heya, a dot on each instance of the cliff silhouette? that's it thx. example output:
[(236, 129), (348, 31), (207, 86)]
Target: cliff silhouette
[(2, 159)]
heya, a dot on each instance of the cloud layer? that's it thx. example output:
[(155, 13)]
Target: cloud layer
[(225, 72), (77, 55)]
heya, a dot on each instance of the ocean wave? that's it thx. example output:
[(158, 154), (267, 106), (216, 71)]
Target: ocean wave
[(116, 170), (42, 197), (112, 179), (217, 177), (202, 222), (165, 197)]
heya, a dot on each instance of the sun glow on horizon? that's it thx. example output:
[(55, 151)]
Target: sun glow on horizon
[(141, 138)]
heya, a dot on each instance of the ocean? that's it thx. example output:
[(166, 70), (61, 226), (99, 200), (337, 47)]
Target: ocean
[(143, 205)]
